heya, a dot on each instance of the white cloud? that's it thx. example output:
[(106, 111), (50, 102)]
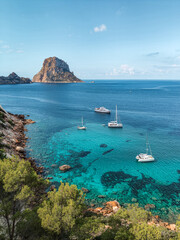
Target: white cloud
[(6, 46), (123, 69), (100, 28), (19, 51)]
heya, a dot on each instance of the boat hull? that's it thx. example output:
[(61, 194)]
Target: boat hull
[(81, 128), (147, 158), (115, 125), (105, 112)]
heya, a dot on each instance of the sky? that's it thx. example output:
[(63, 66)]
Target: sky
[(99, 39)]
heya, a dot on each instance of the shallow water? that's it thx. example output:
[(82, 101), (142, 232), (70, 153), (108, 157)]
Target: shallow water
[(144, 106)]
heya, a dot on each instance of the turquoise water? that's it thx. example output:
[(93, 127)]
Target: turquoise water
[(144, 106)]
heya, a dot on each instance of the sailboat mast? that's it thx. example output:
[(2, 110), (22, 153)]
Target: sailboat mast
[(82, 121), (147, 144), (116, 113)]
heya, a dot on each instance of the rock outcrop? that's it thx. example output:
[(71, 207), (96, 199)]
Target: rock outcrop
[(12, 137), (55, 70), (65, 168), (13, 78)]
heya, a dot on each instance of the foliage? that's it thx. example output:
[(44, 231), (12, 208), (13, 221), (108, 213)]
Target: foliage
[(87, 228), (19, 186), (124, 234), (61, 209), (178, 227), (143, 231), (133, 213), (30, 227), (2, 154), (28, 214)]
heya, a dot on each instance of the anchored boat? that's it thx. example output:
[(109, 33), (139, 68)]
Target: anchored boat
[(115, 124), (102, 110), (146, 157), (82, 127)]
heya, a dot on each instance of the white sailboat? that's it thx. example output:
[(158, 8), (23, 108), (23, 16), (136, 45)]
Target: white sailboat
[(146, 157), (82, 127), (115, 124)]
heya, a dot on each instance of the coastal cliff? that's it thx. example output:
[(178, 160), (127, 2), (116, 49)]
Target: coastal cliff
[(12, 136), (13, 78), (55, 70), (20, 183)]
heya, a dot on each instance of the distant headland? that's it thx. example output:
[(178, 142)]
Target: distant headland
[(55, 70), (13, 78)]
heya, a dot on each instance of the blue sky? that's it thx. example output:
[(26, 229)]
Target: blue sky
[(99, 39)]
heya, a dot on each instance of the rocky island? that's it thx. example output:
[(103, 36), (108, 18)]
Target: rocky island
[(55, 70), (13, 78)]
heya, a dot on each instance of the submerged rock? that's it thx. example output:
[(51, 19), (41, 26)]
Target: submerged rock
[(64, 168), (101, 196), (103, 145), (133, 200), (149, 206), (53, 165), (108, 151)]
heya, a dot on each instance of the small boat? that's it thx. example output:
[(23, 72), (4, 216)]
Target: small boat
[(146, 157), (102, 110), (82, 127), (115, 124)]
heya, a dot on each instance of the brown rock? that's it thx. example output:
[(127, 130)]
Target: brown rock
[(64, 168), (29, 121), (98, 209), (55, 70), (19, 149), (171, 227), (113, 205), (85, 190)]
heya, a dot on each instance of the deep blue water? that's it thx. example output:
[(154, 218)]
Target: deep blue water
[(151, 107)]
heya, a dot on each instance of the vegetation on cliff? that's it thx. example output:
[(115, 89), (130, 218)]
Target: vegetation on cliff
[(28, 212)]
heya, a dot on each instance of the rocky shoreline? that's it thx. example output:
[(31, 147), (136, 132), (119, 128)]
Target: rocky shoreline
[(13, 140), (112, 207), (13, 137)]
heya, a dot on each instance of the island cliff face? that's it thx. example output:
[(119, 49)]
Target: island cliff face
[(55, 70), (13, 78)]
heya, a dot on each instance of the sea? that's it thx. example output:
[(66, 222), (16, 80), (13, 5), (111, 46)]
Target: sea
[(102, 159)]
